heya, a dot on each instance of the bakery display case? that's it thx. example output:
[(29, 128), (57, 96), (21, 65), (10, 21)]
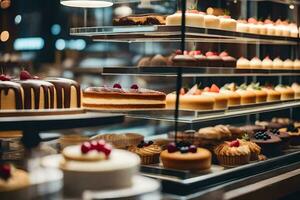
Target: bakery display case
[(206, 104)]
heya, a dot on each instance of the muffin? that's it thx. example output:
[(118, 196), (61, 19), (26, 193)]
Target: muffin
[(147, 151), (254, 149), (270, 144), (232, 153), (120, 141)]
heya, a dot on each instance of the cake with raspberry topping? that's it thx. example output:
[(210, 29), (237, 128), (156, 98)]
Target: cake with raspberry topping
[(96, 166), (117, 97)]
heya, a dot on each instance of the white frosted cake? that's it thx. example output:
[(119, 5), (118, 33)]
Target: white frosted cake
[(96, 166)]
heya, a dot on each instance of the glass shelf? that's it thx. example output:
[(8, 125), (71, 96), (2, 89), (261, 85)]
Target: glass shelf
[(194, 117), (163, 33), (195, 71)]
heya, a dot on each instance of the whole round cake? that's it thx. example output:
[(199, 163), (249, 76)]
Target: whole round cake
[(186, 157), (96, 166)]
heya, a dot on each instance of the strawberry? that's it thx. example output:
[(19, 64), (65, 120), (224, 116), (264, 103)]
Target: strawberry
[(252, 20), (182, 91), (4, 77), (25, 75), (198, 52), (206, 89), (214, 88), (234, 143), (223, 54), (209, 53)]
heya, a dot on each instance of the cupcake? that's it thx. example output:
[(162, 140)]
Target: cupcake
[(243, 63), (269, 143), (232, 153), (255, 63), (254, 149), (267, 63), (120, 141), (147, 151)]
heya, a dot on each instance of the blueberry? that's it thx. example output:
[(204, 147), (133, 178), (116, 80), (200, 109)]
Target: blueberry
[(150, 142), (184, 149), (140, 145)]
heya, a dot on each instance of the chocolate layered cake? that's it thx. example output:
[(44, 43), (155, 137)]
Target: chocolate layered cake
[(68, 93), (29, 92), (145, 19), (11, 96), (38, 94), (117, 97)]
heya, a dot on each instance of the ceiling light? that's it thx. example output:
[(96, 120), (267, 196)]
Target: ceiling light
[(87, 3)]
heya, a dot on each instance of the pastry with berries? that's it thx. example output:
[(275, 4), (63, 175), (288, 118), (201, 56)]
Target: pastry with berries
[(255, 150), (233, 153), (184, 156), (269, 143), (85, 165), (117, 97), (13, 182), (147, 151)]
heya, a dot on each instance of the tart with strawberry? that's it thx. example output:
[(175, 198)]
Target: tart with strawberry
[(184, 156), (84, 165), (221, 99), (191, 100), (233, 153), (234, 99)]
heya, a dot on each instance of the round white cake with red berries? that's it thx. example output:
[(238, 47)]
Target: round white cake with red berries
[(96, 166), (117, 97)]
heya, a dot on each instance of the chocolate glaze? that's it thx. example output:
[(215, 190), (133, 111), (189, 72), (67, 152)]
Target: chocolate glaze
[(63, 86), (35, 85), (6, 85)]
